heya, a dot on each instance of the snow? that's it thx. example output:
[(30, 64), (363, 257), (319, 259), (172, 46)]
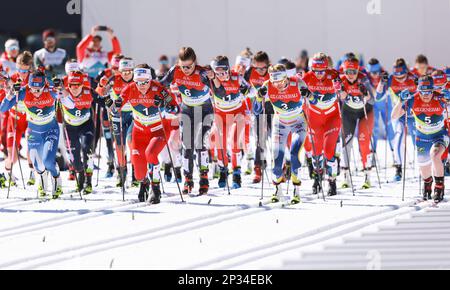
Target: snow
[(218, 231)]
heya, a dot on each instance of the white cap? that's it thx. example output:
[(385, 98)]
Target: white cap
[(142, 73), (12, 44), (72, 66), (126, 64)]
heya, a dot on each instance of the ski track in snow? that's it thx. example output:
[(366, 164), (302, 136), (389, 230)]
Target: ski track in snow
[(217, 231)]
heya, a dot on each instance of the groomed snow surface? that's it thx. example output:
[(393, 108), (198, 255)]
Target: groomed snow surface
[(218, 231)]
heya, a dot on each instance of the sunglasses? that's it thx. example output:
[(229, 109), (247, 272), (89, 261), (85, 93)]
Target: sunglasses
[(264, 68), (126, 72), (187, 66), (36, 90), (319, 72), (426, 93), (142, 83), (74, 85), (351, 72), (222, 73), (23, 70)]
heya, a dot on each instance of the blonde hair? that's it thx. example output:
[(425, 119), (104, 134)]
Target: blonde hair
[(277, 68)]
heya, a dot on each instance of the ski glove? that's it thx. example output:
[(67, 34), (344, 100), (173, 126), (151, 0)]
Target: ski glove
[(405, 96)]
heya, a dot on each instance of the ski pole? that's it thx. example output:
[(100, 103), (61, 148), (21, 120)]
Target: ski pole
[(99, 148)]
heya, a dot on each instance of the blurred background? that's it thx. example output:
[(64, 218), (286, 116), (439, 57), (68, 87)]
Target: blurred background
[(385, 29)]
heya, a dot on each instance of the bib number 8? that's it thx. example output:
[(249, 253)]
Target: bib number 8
[(78, 113)]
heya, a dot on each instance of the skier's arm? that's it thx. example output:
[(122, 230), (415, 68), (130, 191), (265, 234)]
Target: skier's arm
[(167, 79), (398, 111), (116, 49), (383, 86), (258, 105), (82, 46), (11, 99)]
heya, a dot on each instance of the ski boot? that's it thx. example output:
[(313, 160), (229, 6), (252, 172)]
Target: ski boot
[(367, 183), (110, 171), (57, 187), (275, 198), (42, 185), (398, 173), (317, 187), (178, 174), (438, 189), (347, 182), (134, 182), (155, 196), (121, 176), (237, 180), (12, 181), (88, 188), (297, 183), (143, 191), (258, 174), (309, 162), (223, 177), (188, 184), (2, 180), (32, 180), (80, 179), (204, 183), (167, 172), (332, 189), (427, 188), (249, 166)]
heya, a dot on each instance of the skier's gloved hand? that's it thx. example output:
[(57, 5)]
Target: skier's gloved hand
[(243, 89), (405, 95), (363, 89), (16, 87), (158, 101), (384, 77), (57, 82), (305, 92), (262, 92), (118, 102), (108, 102)]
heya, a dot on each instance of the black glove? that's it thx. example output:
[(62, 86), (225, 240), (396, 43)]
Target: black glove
[(159, 101), (262, 92), (243, 89), (305, 92), (363, 89), (108, 102), (384, 76), (16, 87), (57, 82), (118, 102)]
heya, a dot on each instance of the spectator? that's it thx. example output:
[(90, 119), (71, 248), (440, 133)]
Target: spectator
[(163, 66), (50, 57), (90, 54), (302, 62), (8, 58)]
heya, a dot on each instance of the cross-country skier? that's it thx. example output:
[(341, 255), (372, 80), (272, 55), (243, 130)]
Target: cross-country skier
[(194, 84), (285, 95), (427, 107), (148, 99), (43, 131)]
